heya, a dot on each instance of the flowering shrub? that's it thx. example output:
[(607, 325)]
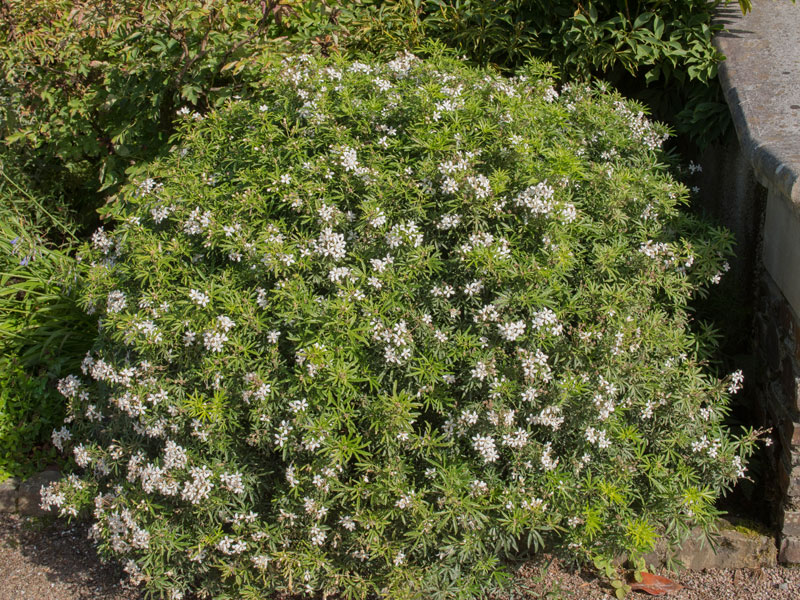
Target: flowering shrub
[(389, 325)]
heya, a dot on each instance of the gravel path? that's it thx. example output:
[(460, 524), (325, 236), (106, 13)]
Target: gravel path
[(541, 576), (42, 560)]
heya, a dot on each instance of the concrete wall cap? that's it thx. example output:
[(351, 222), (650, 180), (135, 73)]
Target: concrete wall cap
[(761, 82)]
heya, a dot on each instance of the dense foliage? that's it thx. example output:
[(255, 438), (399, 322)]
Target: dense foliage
[(388, 325)]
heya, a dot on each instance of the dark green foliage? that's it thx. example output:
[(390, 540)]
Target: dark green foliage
[(29, 410), (99, 82), (43, 333)]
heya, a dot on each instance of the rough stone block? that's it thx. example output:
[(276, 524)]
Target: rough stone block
[(735, 549), (783, 477), (29, 497), (790, 550), (789, 480), (790, 383), (8, 495), (791, 523)]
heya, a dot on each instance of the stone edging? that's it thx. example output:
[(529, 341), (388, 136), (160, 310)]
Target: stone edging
[(23, 497)]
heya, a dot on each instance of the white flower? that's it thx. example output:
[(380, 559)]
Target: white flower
[(317, 536), (290, 476), (547, 461), (404, 233), (512, 330), (443, 291), (380, 264), (405, 501), (339, 274), (546, 319), (383, 85), (473, 288), (517, 440), (199, 298), (199, 487), (348, 159), (481, 370), (69, 386), (550, 416), (197, 221), (232, 482), (189, 337), (484, 445), (737, 379), (261, 297), (449, 222), (101, 241), (60, 437), (116, 301), (82, 456), (537, 198), (213, 340), (225, 323), (297, 406), (737, 464), (327, 212), (174, 456), (51, 497), (378, 219), (348, 523), (282, 435), (479, 487), (550, 94), (331, 244), (231, 546), (468, 417)]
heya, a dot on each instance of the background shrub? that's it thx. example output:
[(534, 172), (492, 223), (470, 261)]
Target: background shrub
[(96, 84), (659, 52), (388, 325)]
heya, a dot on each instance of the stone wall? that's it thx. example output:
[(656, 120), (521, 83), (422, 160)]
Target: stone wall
[(777, 345), (761, 82)]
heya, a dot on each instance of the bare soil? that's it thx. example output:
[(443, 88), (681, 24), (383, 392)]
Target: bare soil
[(43, 559)]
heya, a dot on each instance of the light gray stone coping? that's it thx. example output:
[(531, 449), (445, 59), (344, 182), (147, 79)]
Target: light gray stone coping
[(761, 81)]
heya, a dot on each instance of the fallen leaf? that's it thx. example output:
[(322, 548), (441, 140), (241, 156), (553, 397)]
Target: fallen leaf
[(655, 585)]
